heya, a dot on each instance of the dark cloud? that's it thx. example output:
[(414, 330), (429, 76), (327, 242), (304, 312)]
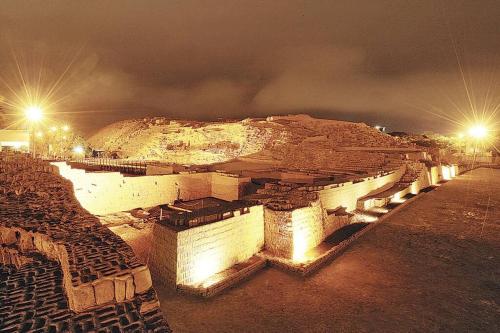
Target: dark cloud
[(381, 61)]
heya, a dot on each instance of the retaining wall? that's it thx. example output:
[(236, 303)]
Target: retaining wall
[(347, 194), (110, 192)]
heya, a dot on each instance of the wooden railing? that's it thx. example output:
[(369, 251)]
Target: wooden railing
[(120, 165)]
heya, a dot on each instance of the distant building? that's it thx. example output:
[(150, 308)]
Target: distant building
[(14, 140)]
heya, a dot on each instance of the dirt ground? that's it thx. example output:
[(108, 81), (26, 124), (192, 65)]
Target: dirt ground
[(432, 266)]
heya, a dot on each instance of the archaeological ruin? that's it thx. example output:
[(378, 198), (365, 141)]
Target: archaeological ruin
[(61, 270), (214, 228), (85, 242)]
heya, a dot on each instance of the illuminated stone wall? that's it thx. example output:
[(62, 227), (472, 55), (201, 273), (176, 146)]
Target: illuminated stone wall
[(291, 233), (278, 232), (448, 172), (433, 175), (163, 256), (308, 229), (190, 256), (347, 194), (226, 186), (109, 192)]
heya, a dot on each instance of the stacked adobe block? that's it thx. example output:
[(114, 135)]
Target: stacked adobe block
[(39, 214)]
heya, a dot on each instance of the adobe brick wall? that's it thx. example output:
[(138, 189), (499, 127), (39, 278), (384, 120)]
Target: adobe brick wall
[(110, 192), (163, 255), (308, 228), (278, 232), (347, 194), (227, 187), (291, 233), (191, 255)]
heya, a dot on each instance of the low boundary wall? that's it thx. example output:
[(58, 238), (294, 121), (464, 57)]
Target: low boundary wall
[(347, 194), (110, 192)]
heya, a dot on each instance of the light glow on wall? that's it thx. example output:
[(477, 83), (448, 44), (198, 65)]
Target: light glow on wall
[(299, 245), (397, 198), (445, 171), (382, 210), (204, 266), (452, 172), (364, 218), (414, 188)]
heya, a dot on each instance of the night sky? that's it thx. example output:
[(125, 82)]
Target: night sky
[(394, 63)]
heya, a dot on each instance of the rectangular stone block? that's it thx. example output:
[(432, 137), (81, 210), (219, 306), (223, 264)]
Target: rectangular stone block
[(142, 279), (129, 288), (104, 291), (120, 288), (81, 297), (7, 236)]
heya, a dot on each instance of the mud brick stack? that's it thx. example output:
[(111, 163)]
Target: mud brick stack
[(32, 299), (44, 230)]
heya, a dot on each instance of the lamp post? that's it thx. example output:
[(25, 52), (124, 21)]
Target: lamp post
[(33, 114)]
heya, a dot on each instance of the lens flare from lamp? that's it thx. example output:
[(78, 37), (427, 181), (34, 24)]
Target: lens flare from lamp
[(33, 113), (478, 131)]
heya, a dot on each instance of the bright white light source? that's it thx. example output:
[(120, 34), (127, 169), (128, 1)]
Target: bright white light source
[(33, 113), (65, 128), (78, 150), (205, 265), (478, 131), (53, 128)]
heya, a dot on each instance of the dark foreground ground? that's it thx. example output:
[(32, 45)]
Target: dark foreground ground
[(431, 267)]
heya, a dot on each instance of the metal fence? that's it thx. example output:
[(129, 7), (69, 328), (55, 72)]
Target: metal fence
[(120, 165)]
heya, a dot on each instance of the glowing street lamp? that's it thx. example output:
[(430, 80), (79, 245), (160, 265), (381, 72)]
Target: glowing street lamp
[(478, 131), (33, 113)]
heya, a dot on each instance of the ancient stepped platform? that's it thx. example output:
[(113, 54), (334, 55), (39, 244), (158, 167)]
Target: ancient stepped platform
[(61, 270)]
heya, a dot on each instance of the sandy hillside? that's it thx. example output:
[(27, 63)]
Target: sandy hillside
[(210, 142)]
